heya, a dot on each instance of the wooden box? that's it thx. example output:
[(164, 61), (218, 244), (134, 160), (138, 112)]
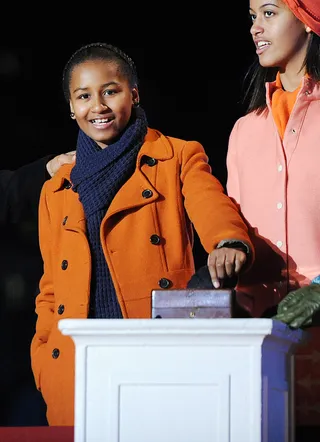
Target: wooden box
[(192, 303)]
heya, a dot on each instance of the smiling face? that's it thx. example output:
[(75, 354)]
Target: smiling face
[(101, 99), (280, 38)]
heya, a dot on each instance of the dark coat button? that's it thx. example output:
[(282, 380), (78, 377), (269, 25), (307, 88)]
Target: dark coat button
[(151, 161), (55, 353), (147, 193), (155, 239), (65, 219), (60, 309), (67, 184), (164, 283), (64, 264)]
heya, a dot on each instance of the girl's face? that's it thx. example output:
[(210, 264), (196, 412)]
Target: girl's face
[(101, 99), (281, 39)]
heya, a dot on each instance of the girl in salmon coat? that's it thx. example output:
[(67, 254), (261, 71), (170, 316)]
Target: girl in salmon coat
[(119, 223), (273, 174)]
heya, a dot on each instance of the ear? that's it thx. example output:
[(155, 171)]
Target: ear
[(72, 115), (308, 30), (135, 96)]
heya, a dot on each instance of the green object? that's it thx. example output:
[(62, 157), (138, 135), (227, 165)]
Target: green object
[(298, 307)]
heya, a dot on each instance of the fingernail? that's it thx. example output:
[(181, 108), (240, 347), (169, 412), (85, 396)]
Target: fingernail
[(216, 284)]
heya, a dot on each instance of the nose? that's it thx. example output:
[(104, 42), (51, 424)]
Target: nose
[(256, 28), (99, 104)]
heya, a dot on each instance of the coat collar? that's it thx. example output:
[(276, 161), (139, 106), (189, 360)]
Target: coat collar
[(156, 145), (309, 89)]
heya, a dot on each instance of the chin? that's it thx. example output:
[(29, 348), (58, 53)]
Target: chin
[(265, 63)]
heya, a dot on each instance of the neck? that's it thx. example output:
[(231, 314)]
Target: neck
[(292, 73), (291, 83)]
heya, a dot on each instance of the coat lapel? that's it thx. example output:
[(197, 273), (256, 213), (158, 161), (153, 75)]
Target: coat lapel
[(131, 194)]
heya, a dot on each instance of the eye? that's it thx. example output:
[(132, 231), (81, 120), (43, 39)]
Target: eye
[(252, 17), (83, 96), (109, 92), (268, 13)]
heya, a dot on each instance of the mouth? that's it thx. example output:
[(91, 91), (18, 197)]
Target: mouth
[(261, 46), (102, 123), (101, 120)]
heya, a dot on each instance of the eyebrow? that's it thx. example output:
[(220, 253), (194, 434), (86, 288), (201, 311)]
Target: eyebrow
[(264, 5), (110, 83)]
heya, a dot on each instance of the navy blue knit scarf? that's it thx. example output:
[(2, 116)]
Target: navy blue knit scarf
[(97, 176)]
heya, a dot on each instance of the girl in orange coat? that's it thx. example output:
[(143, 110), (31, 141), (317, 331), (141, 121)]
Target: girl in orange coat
[(119, 223)]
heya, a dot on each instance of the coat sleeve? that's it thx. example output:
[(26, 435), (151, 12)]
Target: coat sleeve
[(20, 191), (45, 298), (214, 215)]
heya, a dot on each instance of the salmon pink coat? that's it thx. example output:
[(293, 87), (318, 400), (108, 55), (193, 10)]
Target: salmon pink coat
[(277, 185)]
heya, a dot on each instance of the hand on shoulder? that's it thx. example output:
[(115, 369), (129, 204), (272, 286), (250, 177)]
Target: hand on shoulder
[(55, 163)]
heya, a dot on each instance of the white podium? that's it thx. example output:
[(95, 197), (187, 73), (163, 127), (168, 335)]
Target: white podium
[(183, 380)]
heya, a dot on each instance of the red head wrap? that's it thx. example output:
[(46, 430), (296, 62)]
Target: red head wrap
[(307, 11)]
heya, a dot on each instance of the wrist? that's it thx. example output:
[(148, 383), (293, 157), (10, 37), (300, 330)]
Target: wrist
[(234, 244)]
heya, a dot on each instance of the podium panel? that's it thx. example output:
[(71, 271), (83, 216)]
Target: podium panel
[(183, 380)]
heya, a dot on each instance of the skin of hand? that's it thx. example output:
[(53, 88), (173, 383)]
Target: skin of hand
[(64, 158), (225, 262), (299, 306)]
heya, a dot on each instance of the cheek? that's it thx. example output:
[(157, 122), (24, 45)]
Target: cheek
[(291, 35), (80, 109), (288, 48), (126, 113)]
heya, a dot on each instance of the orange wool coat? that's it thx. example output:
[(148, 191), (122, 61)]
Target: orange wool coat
[(172, 185)]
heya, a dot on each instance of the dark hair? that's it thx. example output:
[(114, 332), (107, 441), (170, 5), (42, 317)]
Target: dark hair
[(256, 77), (99, 51)]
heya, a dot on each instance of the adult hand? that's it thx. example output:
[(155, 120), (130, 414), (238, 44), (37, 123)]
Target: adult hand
[(225, 262), (64, 158), (298, 307)]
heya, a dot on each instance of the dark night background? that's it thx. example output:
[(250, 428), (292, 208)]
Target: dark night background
[(191, 61), (190, 73), (190, 65)]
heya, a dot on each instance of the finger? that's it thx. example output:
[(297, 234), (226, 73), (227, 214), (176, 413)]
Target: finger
[(65, 158), (220, 266), (49, 169), (283, 306), (299, 322), (230, 265), (292, 313), (290, 301), (213, 272), (240, 260), (285, 317), (302, 320)]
